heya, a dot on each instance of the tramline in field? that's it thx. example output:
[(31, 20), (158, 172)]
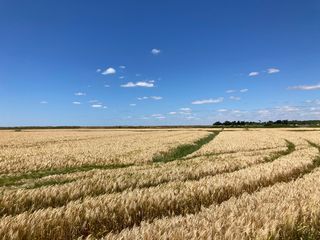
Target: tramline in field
[(160, 184)]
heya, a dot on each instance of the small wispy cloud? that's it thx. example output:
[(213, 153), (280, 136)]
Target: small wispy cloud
[(147, 84), (185, 113), (172, 113), (97, 105), (234, 98), (263, 112), (155, 51), (151, 97), (222, 110), (158, 115), (142, 98), (98, 70), (109, 71), (80, 94), (156, 97), (288, 109), (315, 101), (121, 77), (76, 103), (185, 109), (43, 102), (273, 70), (305, 87), (230, 91), (106, 85), (252, 74), (244, 90), (122, 67), (132, 104), (208, 101), (190, 117)]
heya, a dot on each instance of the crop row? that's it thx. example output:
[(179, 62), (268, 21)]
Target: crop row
[(114, 212)]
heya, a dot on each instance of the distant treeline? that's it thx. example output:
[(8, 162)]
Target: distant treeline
[(278, 123)]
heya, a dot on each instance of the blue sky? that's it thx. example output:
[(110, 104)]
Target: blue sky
[(158, 62)]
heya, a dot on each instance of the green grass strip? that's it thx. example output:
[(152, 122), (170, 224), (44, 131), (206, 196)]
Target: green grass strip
[(14, 180), (290, 148), (172, 155), (183, 150), (49, 183)]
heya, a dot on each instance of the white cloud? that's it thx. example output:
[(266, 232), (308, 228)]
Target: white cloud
[(315, 101), (109, 71), (155, 51), (230, 91), (305, 87), (122, 67), (80, 94), (97, 105), (98, 70), (156, 115), (129, 84), (106, 85), (252, 74), (238, 112), (138, 84), (133, 104), (191, 117), (206, 101), (172, 113), (235, 98), (273, 70), (142, 98), (121, 77), (76, 103), (185, 109), (185, 113), (151, 97), (161, 117), (43, 102), (263, 112), (156, 97), (244, 90), (288, 109), (222, 110)]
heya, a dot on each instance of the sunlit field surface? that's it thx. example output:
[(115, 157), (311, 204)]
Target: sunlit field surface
[(179, 183)]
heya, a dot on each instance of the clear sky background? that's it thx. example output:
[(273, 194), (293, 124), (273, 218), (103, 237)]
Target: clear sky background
[(158, 62)]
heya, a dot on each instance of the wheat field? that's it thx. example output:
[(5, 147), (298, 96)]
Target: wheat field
[(169, 183)]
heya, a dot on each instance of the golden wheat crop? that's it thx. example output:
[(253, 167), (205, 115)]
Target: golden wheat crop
[(160, 184), (103, 148)]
